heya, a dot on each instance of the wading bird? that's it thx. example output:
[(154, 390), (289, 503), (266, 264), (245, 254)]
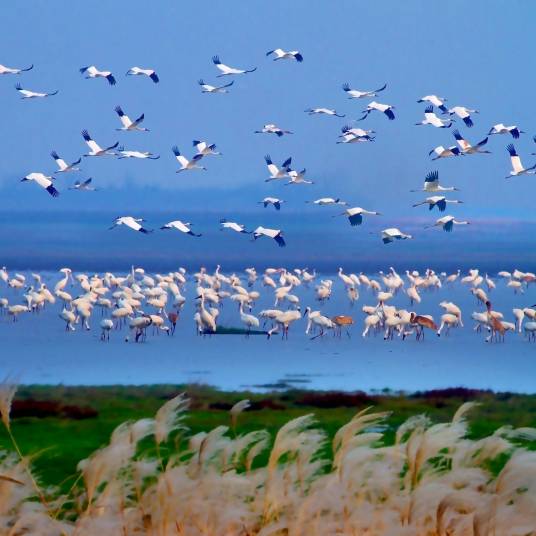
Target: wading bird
[(62, 165), (442, 152), (430, 118), (142, 155), (464, 114), (95, 148), (226, 70), (272, 201), (323, 111), (277, 172), (275, 234), (138, 71), (385, 109), (13, 70), (281, 54), (431, 184), (238, 227), (42, 180), (466, 147), (27, 94), (392, 234), (356, 94), (436, 101), (180, 226), (499, 128), (270, 128), (437, 201), (205, 149), (355, 215), (327, 201), (131, 223), (84, 186)]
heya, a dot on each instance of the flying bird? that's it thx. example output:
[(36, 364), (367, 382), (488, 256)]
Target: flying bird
[(437, 201), (386, 109), (180, 226), (186, 164), (298, 177), (464, 114), (355, 215), (356, 94), (327, 201), (436, 101), (27, 94), (517, 166), (226, 70), (95, 148), (277, 172), (92, 72), (42, 180), (131, 223), (62, 165), (272, 201), (466, 147), (84, 186), (13, 70), (281, 54), (447, 223), (430, 118), (275, 234), (127, 123), (136, 154), (431, 184), (442, 152), (270, 128), (392, 234), (205, 149), (499, 128), (207, 88), (138, 71), (323, 111), (355, 135), (238, 227)]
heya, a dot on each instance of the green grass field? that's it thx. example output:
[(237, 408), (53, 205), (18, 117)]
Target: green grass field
[(59, 426)]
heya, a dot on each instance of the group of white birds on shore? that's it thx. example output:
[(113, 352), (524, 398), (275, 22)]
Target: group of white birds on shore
[(141, 301), (436, 114)]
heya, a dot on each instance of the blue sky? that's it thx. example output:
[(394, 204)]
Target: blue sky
[(477, 54)]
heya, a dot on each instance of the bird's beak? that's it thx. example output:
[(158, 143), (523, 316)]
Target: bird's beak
[(23, 179)]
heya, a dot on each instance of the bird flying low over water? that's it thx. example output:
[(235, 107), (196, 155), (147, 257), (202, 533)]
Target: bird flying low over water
[(437, 201), (277, 172), (326, 201), (392, 234), (281, 54), (436, 101), (431, 184), (95, 148), (138, 71), (275, 234), (121, 153), (355, 215), (466, 147), (323, 111), (464, 114), (272, 201), (186, 164), (207, 88), (84, 186), (127, 123), (499, 128), (42, 180), (442, 152), (27, 94), (238, 227), (132, 223), (517, 166), (270, 128), (430, 118), (205, 149), (226, 70), (386, 109), (92, 72), (13, 70), (356, 94), (447, 223), (180, 226), (62, 165)]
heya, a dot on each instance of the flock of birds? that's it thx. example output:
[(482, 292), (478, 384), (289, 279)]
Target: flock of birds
[(140, 301), (436, 114)]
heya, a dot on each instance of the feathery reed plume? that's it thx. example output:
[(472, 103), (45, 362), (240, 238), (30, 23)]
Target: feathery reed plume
[(169, 417), (235, 411), (8, 388)]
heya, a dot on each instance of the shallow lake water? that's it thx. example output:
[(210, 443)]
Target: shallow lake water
[(37, 349)]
